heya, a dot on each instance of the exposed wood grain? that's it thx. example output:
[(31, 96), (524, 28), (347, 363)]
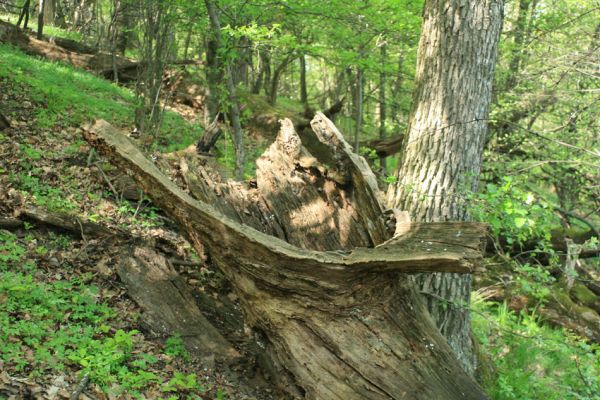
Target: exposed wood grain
[(336, 324)]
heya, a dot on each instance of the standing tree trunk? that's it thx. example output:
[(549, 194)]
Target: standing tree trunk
[(40, 29), (49, 11), (303, 88), (274, 84), (519, 36), (395, 106), (24, 16), (358, 107), (382, 104), (447, 128), (234, 111)]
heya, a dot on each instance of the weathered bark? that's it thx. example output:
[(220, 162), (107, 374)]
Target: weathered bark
[(336, 325), (65, 222), (49, 11), (214, 75), (447, 128)]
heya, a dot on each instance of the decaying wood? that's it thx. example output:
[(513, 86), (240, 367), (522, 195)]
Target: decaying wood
[(66, 222), (210, 137), (336, 324), (168, 306)]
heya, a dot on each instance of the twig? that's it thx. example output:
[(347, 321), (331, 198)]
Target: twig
[(110, 185), (81, 387)]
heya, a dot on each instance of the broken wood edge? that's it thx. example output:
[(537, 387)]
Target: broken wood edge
[(120, 150)]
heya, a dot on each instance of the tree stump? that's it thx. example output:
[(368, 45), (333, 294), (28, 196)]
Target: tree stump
[(310, 256)]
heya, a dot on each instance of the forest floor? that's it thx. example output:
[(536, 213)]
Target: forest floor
[(66, 315)]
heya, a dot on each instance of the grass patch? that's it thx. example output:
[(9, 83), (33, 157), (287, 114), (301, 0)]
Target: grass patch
[(70, 96), (533, 360)]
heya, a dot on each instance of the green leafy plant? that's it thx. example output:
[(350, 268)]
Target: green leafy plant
[(175, 347), (533, 360)]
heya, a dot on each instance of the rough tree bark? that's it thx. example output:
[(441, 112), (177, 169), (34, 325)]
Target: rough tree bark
[(446, 134), (335, 324)]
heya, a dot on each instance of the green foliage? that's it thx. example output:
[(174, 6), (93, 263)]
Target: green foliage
[(52, 198), (532, 360), (49, 325), (70, 96), (184, 382), (175, 347), (513, 213)]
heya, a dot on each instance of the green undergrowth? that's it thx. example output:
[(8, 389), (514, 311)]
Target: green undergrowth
[(67, 96), (532, 360), (49, 30), (53, 325)]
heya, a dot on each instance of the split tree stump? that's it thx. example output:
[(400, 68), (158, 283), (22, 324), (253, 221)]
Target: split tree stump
[(319, 276)]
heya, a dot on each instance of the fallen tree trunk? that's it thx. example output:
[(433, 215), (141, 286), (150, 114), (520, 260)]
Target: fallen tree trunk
[(52, 51), (336, 324), (386, 147)]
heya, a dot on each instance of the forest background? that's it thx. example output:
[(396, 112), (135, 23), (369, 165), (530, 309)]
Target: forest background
[(222, 73)]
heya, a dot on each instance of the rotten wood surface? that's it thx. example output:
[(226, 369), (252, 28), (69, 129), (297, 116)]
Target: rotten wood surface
[(338, 324), (168, 305)]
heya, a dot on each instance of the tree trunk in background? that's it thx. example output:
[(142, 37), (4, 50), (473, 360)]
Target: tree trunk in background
[(234, 110), (40, 29), (24, 16), (49, 8), (303, 88), (382, 104), (358, 108), (519, 35), (274, 84), (395, 106), (214, 75), (446, 134)]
